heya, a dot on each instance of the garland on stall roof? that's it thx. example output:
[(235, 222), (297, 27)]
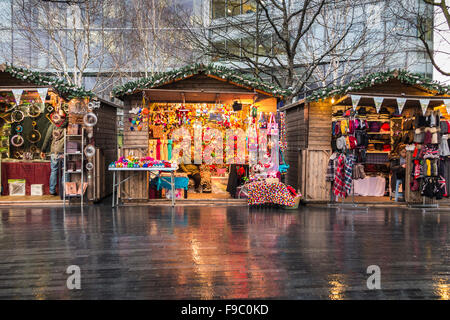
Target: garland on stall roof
[(60, 85), (161, 78), (378, 78)]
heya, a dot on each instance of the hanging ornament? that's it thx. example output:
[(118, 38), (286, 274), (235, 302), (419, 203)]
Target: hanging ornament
[(355, 101), (401, 104), (447, 105), (424, 105), (378, 102), (17, 95), (42, 94)]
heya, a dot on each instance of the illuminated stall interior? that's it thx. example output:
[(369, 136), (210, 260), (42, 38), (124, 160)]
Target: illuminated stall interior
[(35, 110), (211, 120)]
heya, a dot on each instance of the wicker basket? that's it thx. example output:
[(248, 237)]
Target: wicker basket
[(295, 206)]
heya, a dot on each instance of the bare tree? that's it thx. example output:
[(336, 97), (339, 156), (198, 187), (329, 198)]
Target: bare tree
[(155, 39), (296, 44), (431, 20), (70, 33)]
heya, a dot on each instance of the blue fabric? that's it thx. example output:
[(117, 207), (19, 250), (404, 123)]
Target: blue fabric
[(53, 173), (164, 182)]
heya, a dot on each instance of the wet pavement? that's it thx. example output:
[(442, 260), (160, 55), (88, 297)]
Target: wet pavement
[(223, 252)]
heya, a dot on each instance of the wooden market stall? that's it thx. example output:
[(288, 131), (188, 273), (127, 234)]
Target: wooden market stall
[(33, 108), (215, 97), (310, 123)]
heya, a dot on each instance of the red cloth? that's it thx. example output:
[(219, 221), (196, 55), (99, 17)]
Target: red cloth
[(32, 172)]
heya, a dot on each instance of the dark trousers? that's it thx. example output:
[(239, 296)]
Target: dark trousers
[(197, 179)]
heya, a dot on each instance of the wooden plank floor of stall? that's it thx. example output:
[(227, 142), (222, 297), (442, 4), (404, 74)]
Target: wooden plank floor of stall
[(30, 200)]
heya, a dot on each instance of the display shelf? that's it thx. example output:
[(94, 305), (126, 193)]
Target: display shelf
[(68, 137), (378, 133)]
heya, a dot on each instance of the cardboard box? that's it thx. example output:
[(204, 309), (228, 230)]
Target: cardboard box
[(37, 189)]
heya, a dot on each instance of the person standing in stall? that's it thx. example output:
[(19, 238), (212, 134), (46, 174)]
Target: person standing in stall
[(54, 139)]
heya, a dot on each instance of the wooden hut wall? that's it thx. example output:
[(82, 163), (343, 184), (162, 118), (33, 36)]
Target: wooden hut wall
[(135, 143), (105, 135), (297, 139)]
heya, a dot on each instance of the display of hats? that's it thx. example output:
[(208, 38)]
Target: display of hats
[(385, 127), (338, 113), (362, 111), (384, 110), (374, 126)]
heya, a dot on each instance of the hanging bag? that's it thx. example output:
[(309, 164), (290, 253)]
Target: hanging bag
[(272, 127)]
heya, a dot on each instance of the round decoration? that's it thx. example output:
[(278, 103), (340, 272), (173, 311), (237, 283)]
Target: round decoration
[(89, 151), (90, 119), (19, 128), (34, 136), (34, 110), (89, 166), (17, 116), (17, 140)]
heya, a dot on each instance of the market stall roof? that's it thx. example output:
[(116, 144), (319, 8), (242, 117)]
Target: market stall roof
[(33, 79), (405, 77), (233, 77)]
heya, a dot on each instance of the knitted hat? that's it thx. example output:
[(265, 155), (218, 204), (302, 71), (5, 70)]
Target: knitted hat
[(385, 127), (340, 143), (362, 111), (375, 126), (383, 110)]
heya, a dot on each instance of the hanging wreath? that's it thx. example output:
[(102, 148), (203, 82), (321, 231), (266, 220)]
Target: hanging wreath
[(90, 119), (17, 140), (34, 110), (17, 116)]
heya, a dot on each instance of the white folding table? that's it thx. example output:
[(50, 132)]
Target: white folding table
[(115, 195)]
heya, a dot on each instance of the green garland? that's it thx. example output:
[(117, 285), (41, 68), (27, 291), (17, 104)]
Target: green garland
[(60, 85), (378, 78), (161, 78)]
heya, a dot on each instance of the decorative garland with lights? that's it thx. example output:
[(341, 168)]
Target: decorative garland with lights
[(161, 78), (378, 78), (60, 85)]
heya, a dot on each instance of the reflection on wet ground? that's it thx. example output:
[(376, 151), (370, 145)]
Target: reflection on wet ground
[(223, 252)]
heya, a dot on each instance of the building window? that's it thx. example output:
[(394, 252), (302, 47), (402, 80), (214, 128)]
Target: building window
[(233, 8), (218, 8)]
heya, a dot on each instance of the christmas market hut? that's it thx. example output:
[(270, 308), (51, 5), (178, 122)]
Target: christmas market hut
[(220, 126), (50, 130), (380, 138)]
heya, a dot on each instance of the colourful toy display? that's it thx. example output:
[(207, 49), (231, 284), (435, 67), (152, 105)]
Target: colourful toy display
[(143, 162)]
